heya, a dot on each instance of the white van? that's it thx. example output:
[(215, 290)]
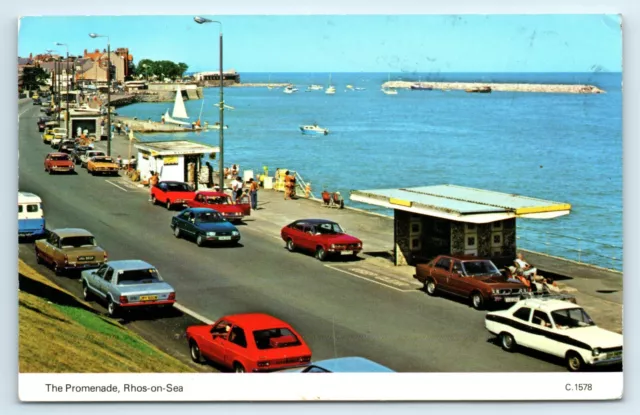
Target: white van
[(30, 215)]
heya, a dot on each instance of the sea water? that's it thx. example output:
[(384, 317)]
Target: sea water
[(560, 147)]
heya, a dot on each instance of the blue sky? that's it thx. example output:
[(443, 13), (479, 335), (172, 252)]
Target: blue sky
[(348, 43)]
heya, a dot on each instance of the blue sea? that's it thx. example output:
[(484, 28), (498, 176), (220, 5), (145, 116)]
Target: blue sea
[(561, 147)]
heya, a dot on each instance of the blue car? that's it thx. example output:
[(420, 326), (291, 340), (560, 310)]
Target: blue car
[(30, 216), (205, 226), (352, 364)]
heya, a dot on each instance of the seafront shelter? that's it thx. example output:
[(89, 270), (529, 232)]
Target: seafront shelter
[(455, 220), (86, 121), (173, 160)]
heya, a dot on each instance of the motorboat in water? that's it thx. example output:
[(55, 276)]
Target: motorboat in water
[(290, 89), (420, 87), (315, 87), (313, 130), (389, 91)]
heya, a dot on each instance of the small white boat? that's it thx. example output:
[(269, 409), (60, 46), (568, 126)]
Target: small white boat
[(216, 126), (331, 89), (313, 130), (290, 89), (315, 87), (389, 91)]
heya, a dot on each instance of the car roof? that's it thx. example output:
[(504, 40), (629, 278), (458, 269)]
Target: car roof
[(129, 264), (25, 197), (314, 221), (58, 154), (256, 321), (547, 304), (66, 232), (173, 182), (201, 210), (465, 257), (351, 364)]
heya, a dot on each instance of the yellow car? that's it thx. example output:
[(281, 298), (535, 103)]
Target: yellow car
[(47, 136), (102, 165)]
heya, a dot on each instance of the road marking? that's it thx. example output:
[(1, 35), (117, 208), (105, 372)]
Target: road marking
[(380, 277), (121, 188), (28, 108), (193, 314)]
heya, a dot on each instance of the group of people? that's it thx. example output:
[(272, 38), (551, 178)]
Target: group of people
[(528, 275), (289, 185)]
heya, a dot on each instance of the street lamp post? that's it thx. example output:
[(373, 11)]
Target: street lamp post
[(94, 35), (67, 86), (202, 20)]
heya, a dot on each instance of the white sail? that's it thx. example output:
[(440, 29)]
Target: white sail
[(179, 110), (169, 120)]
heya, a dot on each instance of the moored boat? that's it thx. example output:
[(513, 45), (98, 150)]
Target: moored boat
[(480, 90), (290, 89), (313, 130), (420, 87)]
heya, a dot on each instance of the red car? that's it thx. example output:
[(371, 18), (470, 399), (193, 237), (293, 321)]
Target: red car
[(58, 163), (222, 203), (172, 193), (249, 343), (320, 236)]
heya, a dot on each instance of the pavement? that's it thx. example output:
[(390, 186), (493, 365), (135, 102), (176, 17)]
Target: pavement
[(362, 307)]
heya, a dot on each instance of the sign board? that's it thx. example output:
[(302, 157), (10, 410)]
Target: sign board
[(170, 160)]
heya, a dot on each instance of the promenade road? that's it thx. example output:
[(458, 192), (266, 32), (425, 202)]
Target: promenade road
[(337, 314)]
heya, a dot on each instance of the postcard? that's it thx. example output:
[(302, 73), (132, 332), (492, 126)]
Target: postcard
[(420, 207)]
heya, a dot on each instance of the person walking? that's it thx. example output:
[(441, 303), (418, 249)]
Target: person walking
[(209, 175), (153, 181), (235, 186), (253, 193), (239, 188)]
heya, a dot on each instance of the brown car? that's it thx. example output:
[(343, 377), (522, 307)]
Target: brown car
[(70, 249), (469, 277)]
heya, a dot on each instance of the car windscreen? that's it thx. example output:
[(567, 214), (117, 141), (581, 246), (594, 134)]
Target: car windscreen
[(103, 159), (476, 268), (60, 157), (178, 187), (328, 228), (263, 338), (77, 241), (208, 217), (139, 276), (571, 318)]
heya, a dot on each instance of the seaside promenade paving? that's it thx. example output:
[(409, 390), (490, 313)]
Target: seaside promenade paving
[(599, 290)]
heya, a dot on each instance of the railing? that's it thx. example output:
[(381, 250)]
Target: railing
[(582, 250), (301, 184)]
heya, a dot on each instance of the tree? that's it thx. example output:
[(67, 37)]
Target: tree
[(33, 77), (161, 69), (182, 67)]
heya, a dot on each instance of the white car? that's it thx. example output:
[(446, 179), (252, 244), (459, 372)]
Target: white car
[(556, 327), (84, 159), (59, 134)]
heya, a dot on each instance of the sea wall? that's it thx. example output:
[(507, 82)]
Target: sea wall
[(544, 88), (145, 126)]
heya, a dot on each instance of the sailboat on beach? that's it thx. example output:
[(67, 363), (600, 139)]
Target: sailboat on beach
[(179, 111)]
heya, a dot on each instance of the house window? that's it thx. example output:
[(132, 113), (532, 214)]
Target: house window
[(471, 241), (497, 225), (497, 239)]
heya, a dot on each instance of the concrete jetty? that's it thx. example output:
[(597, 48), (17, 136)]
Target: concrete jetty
[(502, 87), (148, 127)]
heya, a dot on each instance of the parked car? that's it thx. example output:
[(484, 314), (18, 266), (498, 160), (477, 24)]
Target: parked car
[(30, 216), (172, 194), (42, 123), (558, 328), (59, 134), (37, 101), (102, 165), (253, 342), (47, 136), (205, 226), (342, 365), (58, 163), (69, 249), (221, 202), (78, 151), (469, 277), (126, 284), (84, 159), (323, 237)]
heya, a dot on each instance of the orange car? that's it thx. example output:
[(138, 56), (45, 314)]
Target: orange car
[(102, 165)]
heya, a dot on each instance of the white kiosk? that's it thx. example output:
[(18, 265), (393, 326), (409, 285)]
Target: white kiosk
[(174, 160)]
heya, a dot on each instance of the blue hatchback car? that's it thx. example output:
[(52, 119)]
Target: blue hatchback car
[(205, 226)]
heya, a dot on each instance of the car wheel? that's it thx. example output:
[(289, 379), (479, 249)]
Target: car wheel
[(199, 240), (430, 287), (321, 254), (168, 204), (194, 350), (290, 245), (50, 171), (507, 342), (86, 294), (574, 362), (111, 308), (154, 200), (238, 368), (176, 232), (477, 301)]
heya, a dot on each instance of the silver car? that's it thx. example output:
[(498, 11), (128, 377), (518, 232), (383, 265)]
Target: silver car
[(127, 284)]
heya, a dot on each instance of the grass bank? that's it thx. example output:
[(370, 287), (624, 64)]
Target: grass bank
[(58, 333)]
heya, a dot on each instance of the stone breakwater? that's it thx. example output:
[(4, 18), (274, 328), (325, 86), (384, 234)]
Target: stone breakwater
[(544, 88)]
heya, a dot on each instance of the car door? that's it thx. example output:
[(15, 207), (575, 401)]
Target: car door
[(459, 283), (51, 247), (296, 233), (543, 333), (160, 192), (214, 347), (441, 273), (188, 223), (236, 347), (522, 329), (106, 283), (96, 280)]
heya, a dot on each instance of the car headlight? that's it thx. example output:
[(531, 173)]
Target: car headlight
[(211, 234), (333, 245), (596, 351), (494, 291), (235, 233)]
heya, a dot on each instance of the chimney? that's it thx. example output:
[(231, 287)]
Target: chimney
[(30, 55), (85, 52)]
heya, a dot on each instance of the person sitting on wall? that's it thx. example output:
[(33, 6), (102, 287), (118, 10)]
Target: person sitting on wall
[(527, 269)]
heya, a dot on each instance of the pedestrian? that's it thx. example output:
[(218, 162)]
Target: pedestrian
[(288, 185), (78, 131), (153, 181), (102, 134), (234, 189), (253, 193), (209, 175), (119, 161), (239, 188)]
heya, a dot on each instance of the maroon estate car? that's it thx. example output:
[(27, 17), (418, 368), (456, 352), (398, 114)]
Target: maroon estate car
[(320, 236)]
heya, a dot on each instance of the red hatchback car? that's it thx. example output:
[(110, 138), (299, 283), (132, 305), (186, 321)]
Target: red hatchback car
[(172, 194), (58, 163), (320, 236), (252, 342)]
